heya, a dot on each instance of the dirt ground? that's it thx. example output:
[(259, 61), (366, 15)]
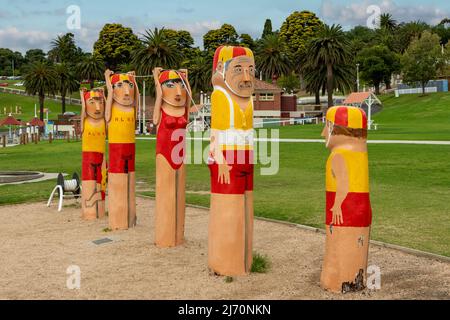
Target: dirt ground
[(39, 244)]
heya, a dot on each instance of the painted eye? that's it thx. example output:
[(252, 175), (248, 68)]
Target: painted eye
[(170, 85), (131, 85)]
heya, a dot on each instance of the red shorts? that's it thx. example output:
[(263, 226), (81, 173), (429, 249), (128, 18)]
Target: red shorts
[(92, 166), (122, 157), (241, 174), (356, 209)]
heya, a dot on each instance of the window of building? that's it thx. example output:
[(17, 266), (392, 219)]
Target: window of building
[(266, 97)]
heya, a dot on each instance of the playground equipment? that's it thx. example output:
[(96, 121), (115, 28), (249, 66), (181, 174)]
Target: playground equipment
[(69, 189)]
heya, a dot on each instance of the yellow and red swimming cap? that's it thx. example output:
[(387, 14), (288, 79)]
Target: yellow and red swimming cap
[(168, 75), (227, 53), (93, 94), (349, 117), (121, 77)]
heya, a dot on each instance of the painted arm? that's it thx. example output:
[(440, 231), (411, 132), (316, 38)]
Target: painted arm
[(109, 100), (159, 97), (189, 91), (83, 108), (339, 168)]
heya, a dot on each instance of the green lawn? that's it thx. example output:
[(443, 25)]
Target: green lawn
[(27, 103), (410, 117), (409, 186)]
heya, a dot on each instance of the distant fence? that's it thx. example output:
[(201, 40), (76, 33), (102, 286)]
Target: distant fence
[(21, 92), (416, 90)]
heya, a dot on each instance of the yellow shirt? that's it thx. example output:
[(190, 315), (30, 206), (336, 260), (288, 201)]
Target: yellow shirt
[(121, 128), (235, 125), (94, 137), (221, 114), (357, 164)]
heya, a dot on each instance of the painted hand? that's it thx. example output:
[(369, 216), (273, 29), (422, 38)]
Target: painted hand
[(337, 216), (224, 174)]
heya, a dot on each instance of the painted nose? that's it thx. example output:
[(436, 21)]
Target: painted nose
[(126, 90), (97, 106), (246, 75), (178, 90)]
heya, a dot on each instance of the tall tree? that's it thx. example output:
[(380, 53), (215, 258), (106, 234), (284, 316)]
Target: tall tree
[(41, 80), (115, 45), (330, 48), (65, 50), (156, 50), (423, 59), (10, 59), (298, 29), (226, 35), (247, 41), (377, 64), (200, 72), (267, 29), (66, 83), (35, 55), (387, 22), (91, 68), (272, 59), (407, 32)]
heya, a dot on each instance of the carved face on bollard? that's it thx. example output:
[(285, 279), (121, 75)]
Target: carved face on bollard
[(174, 90), (124, 89), (234, 69), (94, 104)]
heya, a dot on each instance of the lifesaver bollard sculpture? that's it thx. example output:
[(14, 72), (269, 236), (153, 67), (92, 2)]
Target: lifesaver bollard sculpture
[(171, 115), (348, 209), (121, 110), (93, 128), (231, 162)]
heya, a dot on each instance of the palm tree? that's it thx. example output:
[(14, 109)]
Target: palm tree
[(156, 51), (67, 83), (330, 48), (199, 73), (41, 79), (91, 69), (387, 22), (272, 58)]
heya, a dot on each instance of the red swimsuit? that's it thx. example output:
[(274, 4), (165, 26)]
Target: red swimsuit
[(170, 140)]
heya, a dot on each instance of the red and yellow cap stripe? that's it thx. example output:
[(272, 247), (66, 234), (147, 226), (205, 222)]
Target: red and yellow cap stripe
[(92, 94), (168, 75), (227, 53), (121, 77), (349, 117)]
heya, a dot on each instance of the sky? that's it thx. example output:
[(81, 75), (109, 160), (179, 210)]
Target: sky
[(27, 24)]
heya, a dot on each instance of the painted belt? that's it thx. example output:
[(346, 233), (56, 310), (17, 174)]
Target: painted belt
[(236, 137)]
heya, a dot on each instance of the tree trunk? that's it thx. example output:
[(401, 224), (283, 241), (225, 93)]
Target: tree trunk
[(424, 84), (92, 83), (63, 102), (41, 106), (317, 97), (330, 84), (377, 88)]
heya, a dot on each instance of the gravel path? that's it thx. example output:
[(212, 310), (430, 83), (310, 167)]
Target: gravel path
[(39, 244)]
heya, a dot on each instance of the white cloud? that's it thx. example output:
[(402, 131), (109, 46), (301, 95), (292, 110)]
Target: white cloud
[(355, 13), (20, 40)]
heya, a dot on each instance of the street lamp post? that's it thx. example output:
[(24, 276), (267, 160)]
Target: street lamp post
[(357, 77)]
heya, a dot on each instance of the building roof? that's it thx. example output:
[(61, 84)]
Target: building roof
[(360, 98), (357, 97), (265, 86)]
